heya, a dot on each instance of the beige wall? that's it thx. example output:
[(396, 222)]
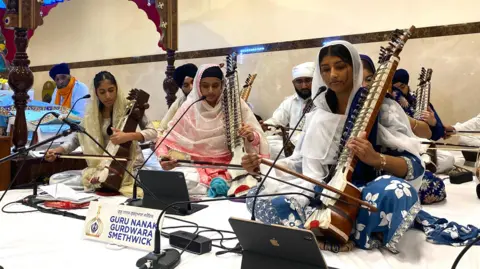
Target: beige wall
[(82, 30)]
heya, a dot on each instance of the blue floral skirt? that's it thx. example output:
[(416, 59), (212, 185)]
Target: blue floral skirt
[(397, 202), (432, 189)]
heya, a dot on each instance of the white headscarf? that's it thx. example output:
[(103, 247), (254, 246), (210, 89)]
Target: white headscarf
[(324, 128), (201, 131), (92, 122)]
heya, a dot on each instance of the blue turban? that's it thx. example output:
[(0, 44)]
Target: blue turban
[(401, 75), (59, 69), (369, 62), (186, 70)]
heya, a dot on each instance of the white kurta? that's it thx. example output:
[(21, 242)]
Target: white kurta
[(287, 114), (171, 112), (470, 125)]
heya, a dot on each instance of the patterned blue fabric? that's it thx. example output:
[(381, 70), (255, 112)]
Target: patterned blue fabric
[(396, 200), (438, 131), (406, 102), (397, 203), (278, 210), (432, 189), (440, 231)]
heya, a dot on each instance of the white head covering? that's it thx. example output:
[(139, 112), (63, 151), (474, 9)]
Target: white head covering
[(92, 122), (303, 70), (201, 131), (324, 128)]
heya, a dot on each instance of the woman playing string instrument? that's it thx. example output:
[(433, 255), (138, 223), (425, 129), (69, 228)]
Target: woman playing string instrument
[(389, 170), (433, 188), (105, 110), (200, 135)]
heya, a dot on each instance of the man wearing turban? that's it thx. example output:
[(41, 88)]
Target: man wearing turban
[(183, 77), (68, 89)]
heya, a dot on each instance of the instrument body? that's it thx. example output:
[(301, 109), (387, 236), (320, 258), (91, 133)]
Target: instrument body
[(362, 119), (112, 173)]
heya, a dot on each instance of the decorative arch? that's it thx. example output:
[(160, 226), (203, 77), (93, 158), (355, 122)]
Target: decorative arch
[(148, 6)]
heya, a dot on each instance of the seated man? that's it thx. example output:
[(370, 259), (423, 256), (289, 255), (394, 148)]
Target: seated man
[(183, 76), (292, 108), (68, 90), (472, 124)]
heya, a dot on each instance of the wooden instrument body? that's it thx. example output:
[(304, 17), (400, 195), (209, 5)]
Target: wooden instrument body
[(112, 177), (343, 216)]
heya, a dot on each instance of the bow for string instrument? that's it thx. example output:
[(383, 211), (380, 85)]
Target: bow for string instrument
[(232, 112), (111, 174), (247, 88), (336, 221)]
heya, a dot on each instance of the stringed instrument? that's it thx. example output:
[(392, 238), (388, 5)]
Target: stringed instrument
[(112, 174), (232, 112), (337, 221), (422, 93), (247, 88)]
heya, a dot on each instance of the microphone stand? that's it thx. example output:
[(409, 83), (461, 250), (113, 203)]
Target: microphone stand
[(259, 187), (24, 151), (87, 96)]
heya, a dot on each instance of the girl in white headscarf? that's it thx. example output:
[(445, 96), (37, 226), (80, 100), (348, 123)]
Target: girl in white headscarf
[(104, 112), (389, 170), (200, 135)]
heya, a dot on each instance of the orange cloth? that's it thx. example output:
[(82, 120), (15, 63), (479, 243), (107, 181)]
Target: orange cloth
[(66, 93)]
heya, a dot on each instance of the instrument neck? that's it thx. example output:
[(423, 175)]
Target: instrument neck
[(363, 114)]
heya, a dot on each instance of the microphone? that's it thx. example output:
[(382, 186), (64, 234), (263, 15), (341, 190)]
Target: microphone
[(161, 141), (320, 90), (170, 258), (65, 120)]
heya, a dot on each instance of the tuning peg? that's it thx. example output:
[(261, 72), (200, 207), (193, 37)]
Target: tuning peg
[(146, 106)]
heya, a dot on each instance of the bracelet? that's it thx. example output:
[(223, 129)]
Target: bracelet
[(383, 162)]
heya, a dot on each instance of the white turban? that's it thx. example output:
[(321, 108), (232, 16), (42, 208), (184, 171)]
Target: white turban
[(303, 70)]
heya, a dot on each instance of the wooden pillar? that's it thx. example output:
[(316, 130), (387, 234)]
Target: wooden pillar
[(168, 10), (21, 16), (169, 85), (20, 80)]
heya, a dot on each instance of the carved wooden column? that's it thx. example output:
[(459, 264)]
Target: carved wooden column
[(20, 80), (168, 10), (21, 15), (169, 85)]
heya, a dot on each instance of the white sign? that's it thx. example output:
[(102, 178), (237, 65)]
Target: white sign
[(122, 225)]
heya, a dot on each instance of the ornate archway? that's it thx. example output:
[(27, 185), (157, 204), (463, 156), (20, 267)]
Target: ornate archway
[(153, 9), (22, 17)]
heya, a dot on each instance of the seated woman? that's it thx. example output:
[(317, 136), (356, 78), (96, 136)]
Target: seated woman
[(105, 110), (200, 135), (389, 170), (433, 188), (401, 93)]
